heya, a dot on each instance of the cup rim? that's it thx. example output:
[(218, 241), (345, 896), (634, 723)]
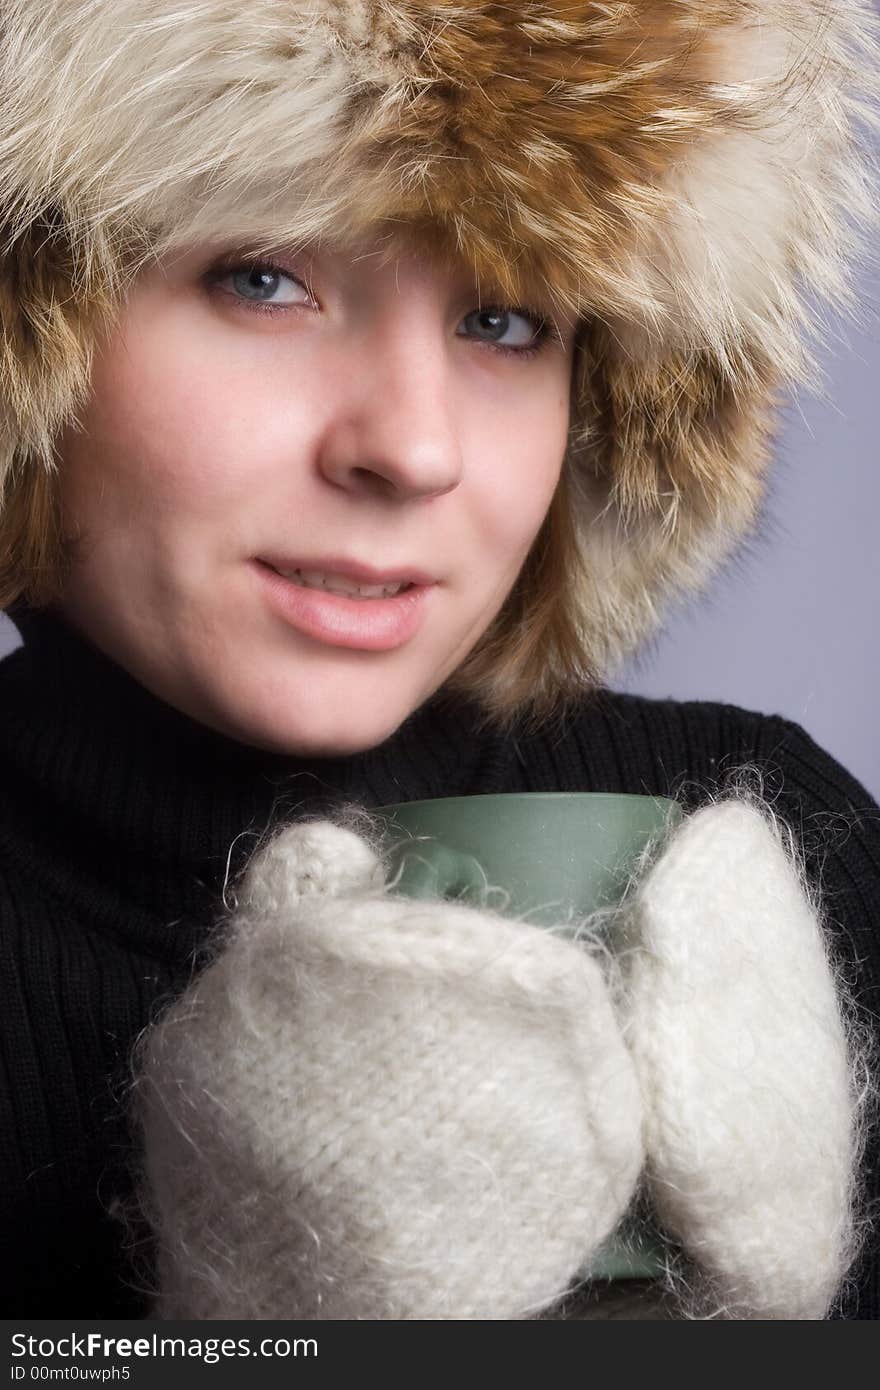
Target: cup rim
[(666, 801)]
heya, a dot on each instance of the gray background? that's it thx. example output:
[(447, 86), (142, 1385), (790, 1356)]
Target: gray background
[(790, 626)]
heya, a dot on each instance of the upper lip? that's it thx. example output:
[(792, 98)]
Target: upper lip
[(350, 569)]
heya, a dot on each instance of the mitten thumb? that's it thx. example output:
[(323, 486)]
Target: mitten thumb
[(748, 1079)]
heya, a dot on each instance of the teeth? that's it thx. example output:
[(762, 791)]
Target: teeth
[(335, 584)]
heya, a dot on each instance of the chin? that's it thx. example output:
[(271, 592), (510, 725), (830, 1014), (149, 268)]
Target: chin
[(316, 714), (314, 738)]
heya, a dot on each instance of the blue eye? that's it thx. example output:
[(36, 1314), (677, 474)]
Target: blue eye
[(255, 285), (260, 282), (496, 321)]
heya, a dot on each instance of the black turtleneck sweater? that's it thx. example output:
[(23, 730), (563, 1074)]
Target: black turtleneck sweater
[(120, 819)]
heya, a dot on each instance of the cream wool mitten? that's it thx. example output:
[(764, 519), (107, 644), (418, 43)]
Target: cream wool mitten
[(372, 1107), (750, 1077)]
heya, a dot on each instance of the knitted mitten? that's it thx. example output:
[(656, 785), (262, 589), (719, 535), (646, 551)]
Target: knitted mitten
[(372, 1107), (750, 1085)]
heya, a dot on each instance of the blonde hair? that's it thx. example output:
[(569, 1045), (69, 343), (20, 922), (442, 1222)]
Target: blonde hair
[(34, 557)]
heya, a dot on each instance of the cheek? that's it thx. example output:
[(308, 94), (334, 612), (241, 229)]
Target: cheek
[(516, 468), (175, 423), (164, 426)]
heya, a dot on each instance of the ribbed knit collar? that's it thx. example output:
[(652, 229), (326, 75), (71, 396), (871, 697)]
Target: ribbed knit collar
[(128, 803)]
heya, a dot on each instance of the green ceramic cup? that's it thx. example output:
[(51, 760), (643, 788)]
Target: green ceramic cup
[(549, 858), (550, 851)]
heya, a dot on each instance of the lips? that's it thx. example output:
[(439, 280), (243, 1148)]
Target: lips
[(355, 570), (326, 582), (367, 624)]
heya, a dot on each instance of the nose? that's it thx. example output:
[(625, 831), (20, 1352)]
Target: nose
[(393, 430)]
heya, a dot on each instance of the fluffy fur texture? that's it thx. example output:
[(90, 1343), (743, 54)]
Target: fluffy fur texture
[(369, 1107), (689, 176)]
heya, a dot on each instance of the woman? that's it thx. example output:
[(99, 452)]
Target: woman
[(490, 302)]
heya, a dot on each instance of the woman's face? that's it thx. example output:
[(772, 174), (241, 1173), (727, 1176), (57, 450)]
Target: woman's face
[(316, 411)]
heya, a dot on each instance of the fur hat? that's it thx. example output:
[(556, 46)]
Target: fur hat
[(692, 177)]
